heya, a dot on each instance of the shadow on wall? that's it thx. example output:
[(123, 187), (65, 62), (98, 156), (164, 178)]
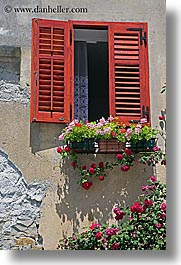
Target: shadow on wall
[(78, 207), (44, 136)]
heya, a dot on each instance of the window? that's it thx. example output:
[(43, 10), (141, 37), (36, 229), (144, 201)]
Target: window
[(87, 70), (91, 84)]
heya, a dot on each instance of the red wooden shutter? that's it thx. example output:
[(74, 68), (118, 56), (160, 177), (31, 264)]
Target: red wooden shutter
[(128, 71), (50, 86)]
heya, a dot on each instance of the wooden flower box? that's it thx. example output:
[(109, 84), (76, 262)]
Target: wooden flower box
[(110, 146)]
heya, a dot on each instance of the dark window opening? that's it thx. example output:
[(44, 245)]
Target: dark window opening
[(91, 83)]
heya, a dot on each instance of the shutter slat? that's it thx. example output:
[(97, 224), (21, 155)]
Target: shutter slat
[(125, 36), (44, 98), (127, 52), (126, 67), (127, 93), (44, 92), (127, 98), (58, 93), (126, 47), (128, 108), (126, 57), (128, 73), (126, 42), (58, 98), (127, 83), (127, 77), (127, 103), (127, 114)]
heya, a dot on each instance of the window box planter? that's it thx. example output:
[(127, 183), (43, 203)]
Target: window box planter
[(142, 146), (86, 146), (110, 146)]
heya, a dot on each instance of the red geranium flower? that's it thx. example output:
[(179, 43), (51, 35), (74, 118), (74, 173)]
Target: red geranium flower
[(84, 167), (87, 185), (101, 164), (59, 150), (163, 206), (148, 203), (98, 235), (163, 216), (128, 151), (67, 148), (74, 164), (94, 225), (119, 156), (158, 225), (115, 246), (151, 187), (156, 148), (125, 168), (163, 162), (161, 118), (136, 208), (113, 134), (122, 130), (144, 188), (78, 124), (101, 178), (119, 213), (91, 170), (93, 165), (152, 178)]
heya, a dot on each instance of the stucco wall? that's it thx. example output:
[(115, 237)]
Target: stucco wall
[(32, 148)]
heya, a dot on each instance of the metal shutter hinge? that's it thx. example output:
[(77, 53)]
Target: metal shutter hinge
[(143, 36)]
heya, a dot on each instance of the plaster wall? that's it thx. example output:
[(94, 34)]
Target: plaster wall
[(32, 147)]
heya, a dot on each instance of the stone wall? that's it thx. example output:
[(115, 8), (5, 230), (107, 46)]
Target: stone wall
[(20, 204), (14, 92)]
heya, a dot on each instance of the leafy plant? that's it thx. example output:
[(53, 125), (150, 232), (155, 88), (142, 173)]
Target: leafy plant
[(103, 129), (140, 132), (153, 158), (143, 229)]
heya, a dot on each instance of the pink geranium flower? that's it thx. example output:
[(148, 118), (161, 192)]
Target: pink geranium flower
[(143, 120), (61, 137)]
